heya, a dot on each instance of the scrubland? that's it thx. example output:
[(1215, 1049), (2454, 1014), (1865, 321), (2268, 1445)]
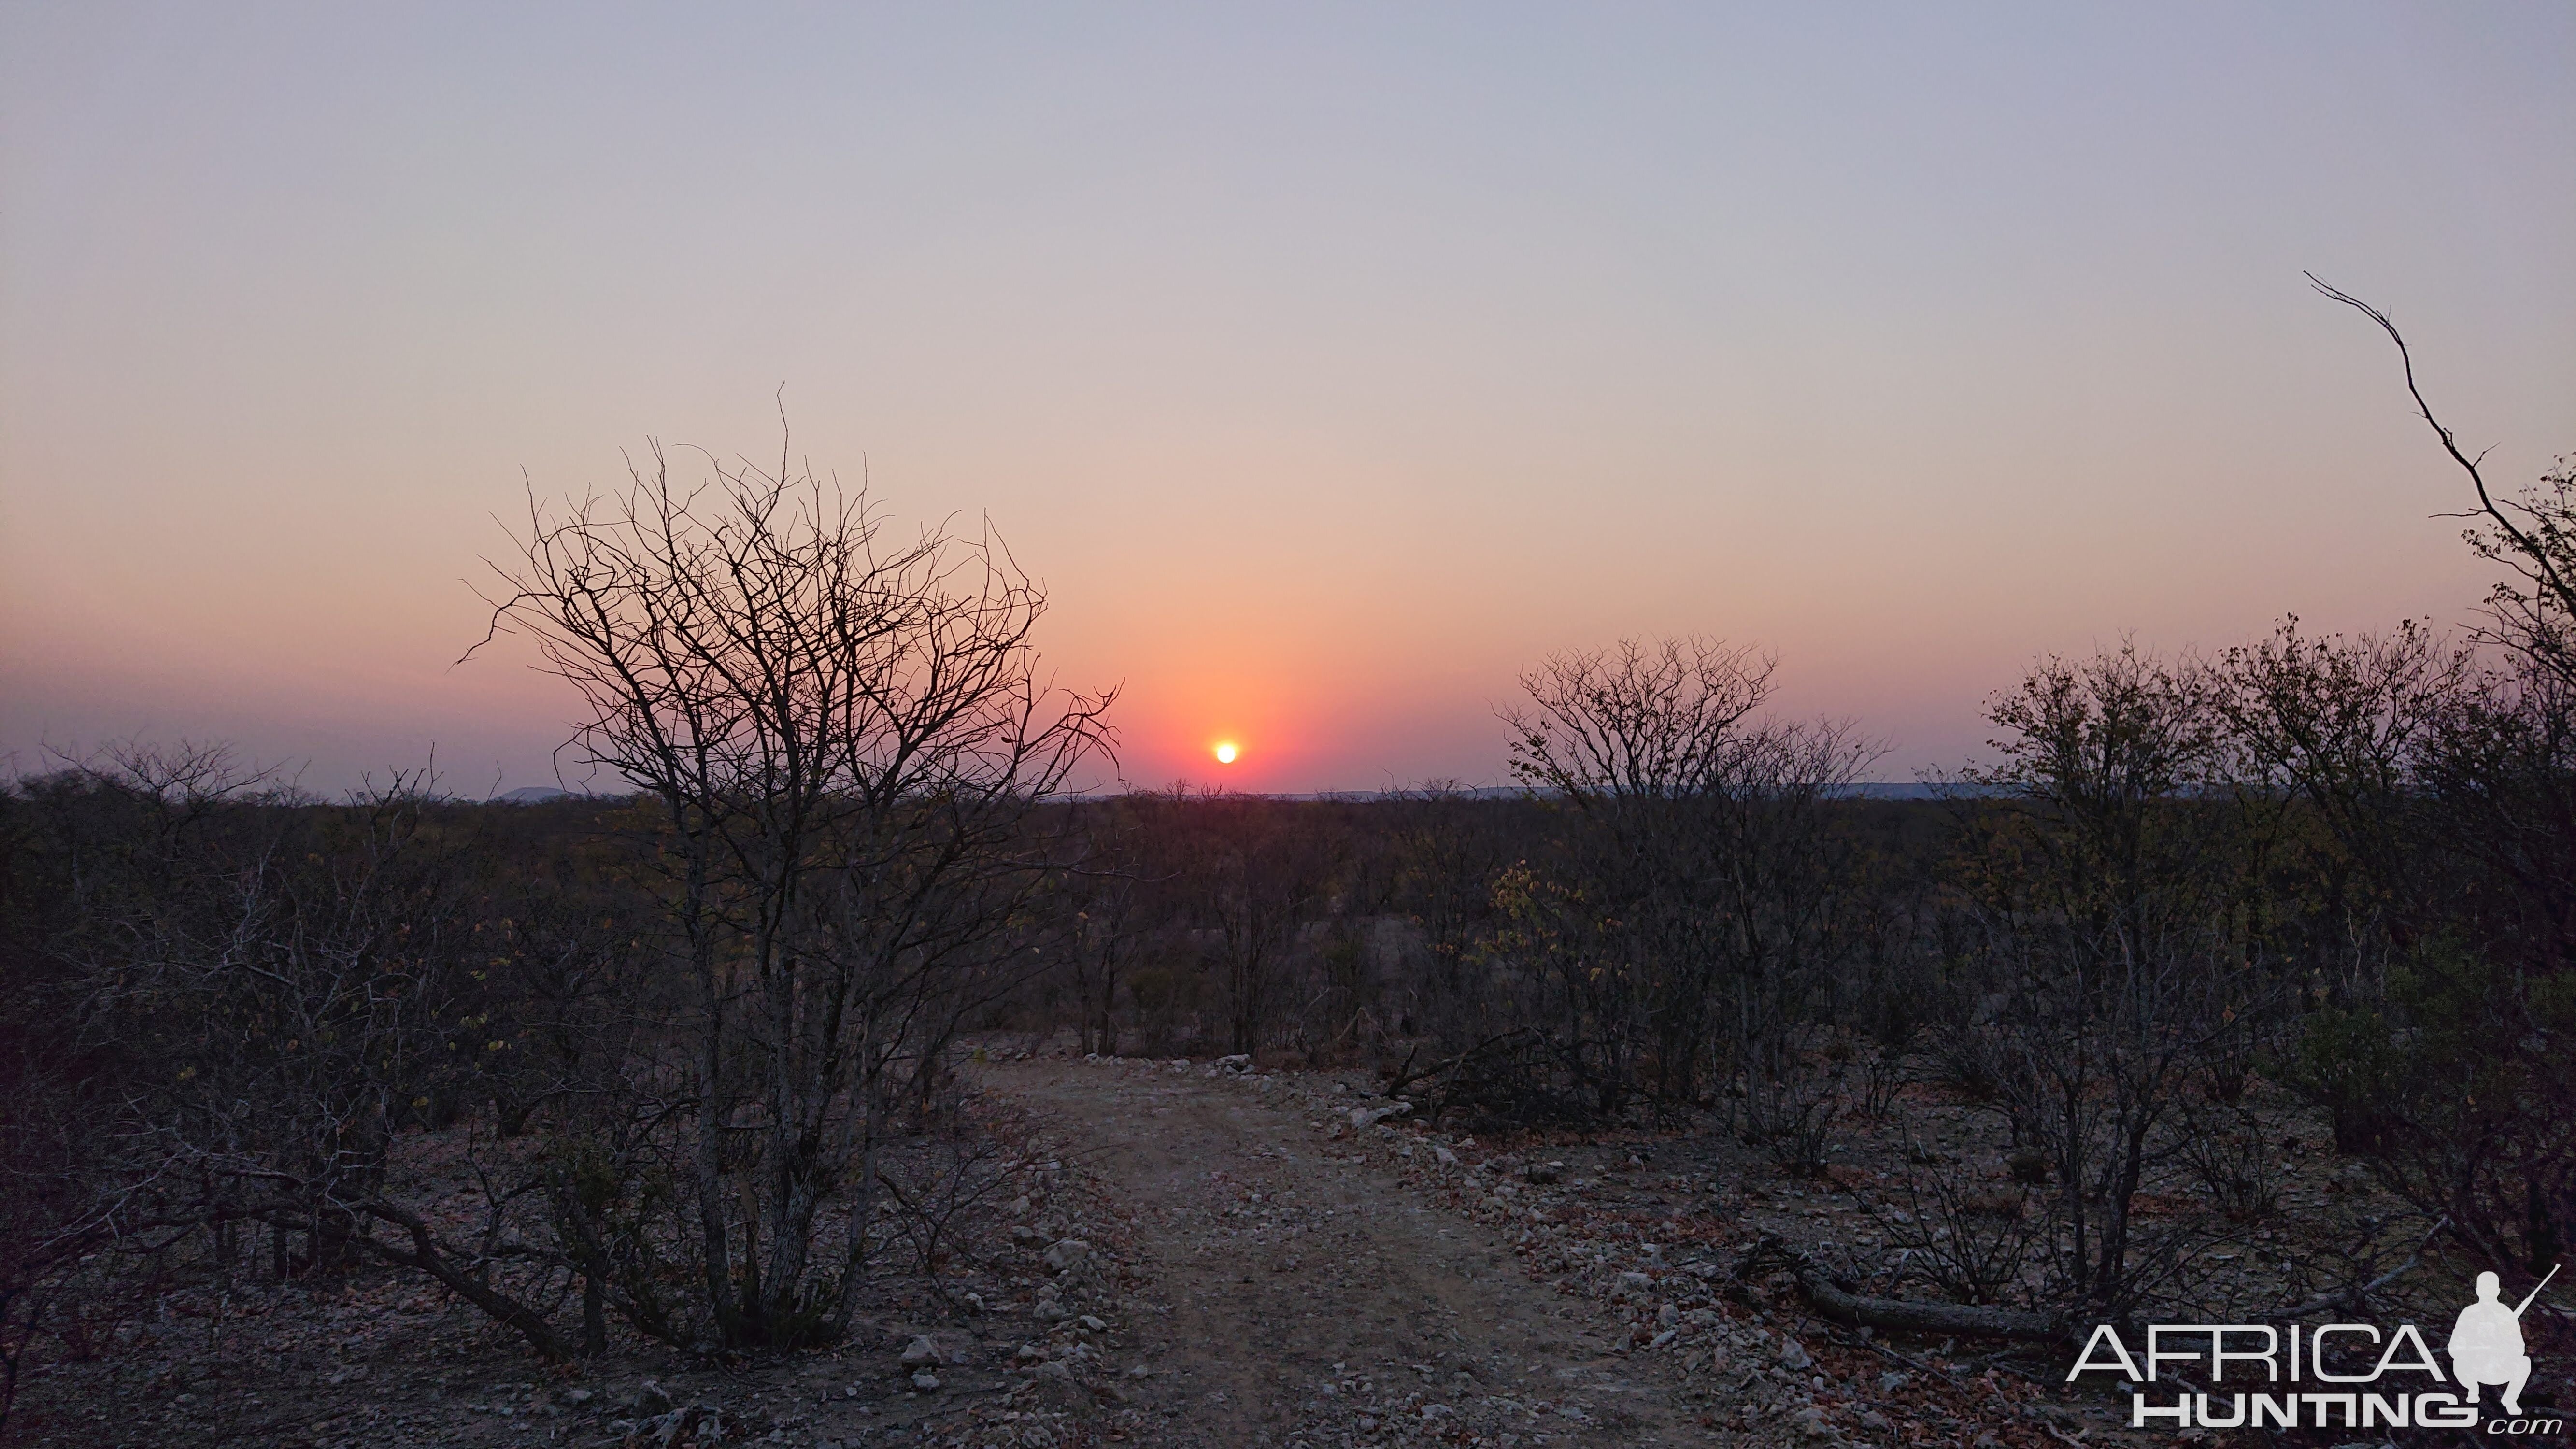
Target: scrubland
[(850, 1077)]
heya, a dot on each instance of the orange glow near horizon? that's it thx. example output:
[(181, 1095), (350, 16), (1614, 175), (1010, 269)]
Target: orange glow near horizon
[(1296, 439)]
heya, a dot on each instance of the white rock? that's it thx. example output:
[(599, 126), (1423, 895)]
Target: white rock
[(1066, 1253), (1793, 1355), (1366, 1116), (925, 1381), (920, 1351)]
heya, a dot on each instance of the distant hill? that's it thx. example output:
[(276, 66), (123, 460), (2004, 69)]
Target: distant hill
[(1921, 790), (533, 795)]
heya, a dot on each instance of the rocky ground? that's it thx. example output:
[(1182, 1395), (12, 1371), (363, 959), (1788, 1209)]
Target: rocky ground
[(1330, 1273), (1203, 1254)]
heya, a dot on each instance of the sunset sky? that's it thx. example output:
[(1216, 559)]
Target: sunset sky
[(1330, 364)]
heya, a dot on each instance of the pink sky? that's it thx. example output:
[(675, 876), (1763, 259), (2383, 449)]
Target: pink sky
[(1330, 365)]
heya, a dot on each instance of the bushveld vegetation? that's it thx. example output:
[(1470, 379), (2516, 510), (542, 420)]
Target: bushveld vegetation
[(698, 1040)]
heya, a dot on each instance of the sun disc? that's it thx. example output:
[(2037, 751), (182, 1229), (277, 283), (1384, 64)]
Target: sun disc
[(1225, 753)]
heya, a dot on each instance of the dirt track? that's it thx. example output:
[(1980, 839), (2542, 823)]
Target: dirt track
[(1266, 1265), (1305, 1295)]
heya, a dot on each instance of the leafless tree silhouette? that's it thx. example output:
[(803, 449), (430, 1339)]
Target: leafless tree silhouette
[(848, 737)]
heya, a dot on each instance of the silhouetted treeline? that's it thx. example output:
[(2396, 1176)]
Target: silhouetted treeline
[(2349, 867), (687, 1058)]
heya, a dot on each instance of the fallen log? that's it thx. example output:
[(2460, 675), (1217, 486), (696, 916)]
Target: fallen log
[(1898, 1315)]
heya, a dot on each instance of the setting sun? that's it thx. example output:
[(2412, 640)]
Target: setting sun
[(1225, 753)]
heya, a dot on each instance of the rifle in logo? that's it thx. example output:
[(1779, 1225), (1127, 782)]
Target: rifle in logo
[(2486, 1343), (2486, 1348)]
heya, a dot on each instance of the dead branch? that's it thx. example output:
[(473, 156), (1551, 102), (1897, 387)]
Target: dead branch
[(1897, 1315), (2539, 565)]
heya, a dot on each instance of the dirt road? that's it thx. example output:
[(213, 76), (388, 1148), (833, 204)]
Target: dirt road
[(1302, 1295), (1196, 1257)]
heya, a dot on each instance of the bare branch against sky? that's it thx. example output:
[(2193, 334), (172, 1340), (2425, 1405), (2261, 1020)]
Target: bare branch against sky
[(1328, 364)]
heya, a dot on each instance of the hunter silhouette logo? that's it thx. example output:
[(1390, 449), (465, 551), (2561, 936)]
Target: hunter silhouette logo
[(2486, 1344)]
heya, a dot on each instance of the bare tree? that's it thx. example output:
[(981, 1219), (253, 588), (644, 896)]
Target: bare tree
[(1263, 869), (1702, 906), (257, 990), (848, 737), (2533, 535), (2449, 1069), (2102, 904)]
